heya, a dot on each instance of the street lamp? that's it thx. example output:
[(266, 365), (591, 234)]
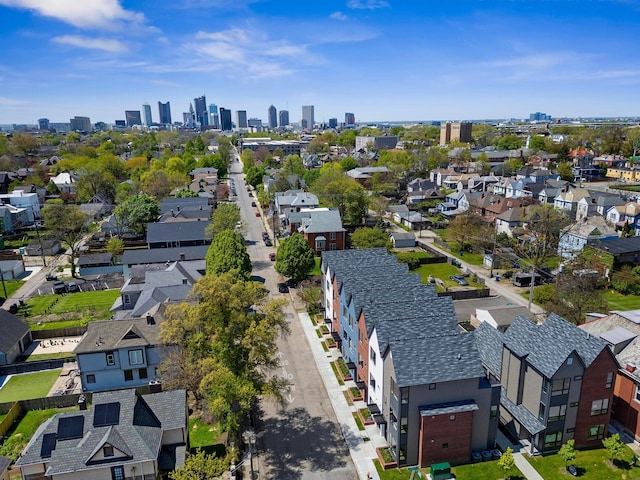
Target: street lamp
[(249, 438)]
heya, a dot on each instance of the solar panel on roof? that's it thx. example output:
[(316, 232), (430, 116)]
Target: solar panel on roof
[(48, 445), (106, 414), (70, 427)]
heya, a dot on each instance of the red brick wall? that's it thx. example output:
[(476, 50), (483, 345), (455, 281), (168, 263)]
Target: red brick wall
[(339, 241), (363, 351), (594, 388), (627, 408), (438, 430)]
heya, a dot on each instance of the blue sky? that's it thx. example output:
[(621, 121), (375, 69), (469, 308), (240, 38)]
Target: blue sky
[(381, 59)]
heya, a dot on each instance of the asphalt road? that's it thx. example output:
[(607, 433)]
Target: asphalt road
[(303, 439)]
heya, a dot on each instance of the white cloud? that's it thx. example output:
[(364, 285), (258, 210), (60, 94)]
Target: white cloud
[(104, 44), (11, 101), (367, 4), (107, 14), (338, 16)]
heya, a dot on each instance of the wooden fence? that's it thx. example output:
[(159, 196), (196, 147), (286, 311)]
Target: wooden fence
[(14, 412), (58, 332)]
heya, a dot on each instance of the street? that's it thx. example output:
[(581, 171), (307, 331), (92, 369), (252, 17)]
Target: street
[(303, 440)]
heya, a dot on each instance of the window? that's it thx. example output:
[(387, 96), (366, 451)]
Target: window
[(405, 396), (394, 387), (135, 357), (350, 321), (360, 336), (560, 386), (596, 432), (107, 451), (332, 246), (344, 334), (404, 425), (577, 378), (638, 393), (609, 380), (91, 378), (445, 445), (372, 381), (571, 430), (432, 386), (556, 413), (117, 473), (332, 235), (493, 412), (545, 386), (128, 375), (111, 359), (573, 404), (126, 299), (569, 361), (142, 373), (542, 411), (553, 439), (452, 418), (599, 407)]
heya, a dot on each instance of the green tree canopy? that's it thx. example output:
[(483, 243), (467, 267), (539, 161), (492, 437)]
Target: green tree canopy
[(227, 252), (214, 161), (507, 463), (293, 165), (614, 445), (370, 238), (186, 193), (568, 452), (68, 224), (337, 190), (348, 163), (225, 217), (254, 176), (566, 171), (295, 258), (509, 142), (200, 466), (136, 211)]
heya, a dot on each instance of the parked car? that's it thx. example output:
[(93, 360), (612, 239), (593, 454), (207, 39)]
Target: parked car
[(72, 287), (265, 235), (257, 214), (282, 288), (459, 279), (291, 284), (51, 277), (272, 257), (59, 287), (267, 242), (253, 204)]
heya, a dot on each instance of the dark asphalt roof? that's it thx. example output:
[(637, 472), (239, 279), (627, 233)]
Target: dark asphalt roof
[(12, 328), (113, 334), (448, 408), (489, 342), (160, 255)]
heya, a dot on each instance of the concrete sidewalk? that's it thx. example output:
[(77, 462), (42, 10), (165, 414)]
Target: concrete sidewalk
[(362, 451), (522, 463)]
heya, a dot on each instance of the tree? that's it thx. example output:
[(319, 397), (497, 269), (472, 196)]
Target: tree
[(215, 161), (575, 296), (293, 165), (469, 230), (227, 252), (342, 192), (537, 143), (186, 193), (136, 211), (370, 238), (68, 224), (200, 466), (24, 144), (115, 246), (223, 346), (94, 180), (225, 217), (614, 446), (545, 226), (507, 462), (317, 145), (295, 258), (348, 163), (568, 452), (509, 142), (566, 171), (254, 176), (633, 142)]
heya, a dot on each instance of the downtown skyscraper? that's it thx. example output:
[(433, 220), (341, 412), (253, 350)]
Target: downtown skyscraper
[(284, 118), (164, 112), (202, 115), (308, 120), (272, 117), (146, 114)]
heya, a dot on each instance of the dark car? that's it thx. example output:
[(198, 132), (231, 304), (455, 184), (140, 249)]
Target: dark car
[(59, 287), (257, 214), (459, 279), (267, 242), (51, 277), (282, 288), (272, 257), (72, 287), (291, 283), (253, 204)]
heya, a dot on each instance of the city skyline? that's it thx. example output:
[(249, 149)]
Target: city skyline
[(382, 59)]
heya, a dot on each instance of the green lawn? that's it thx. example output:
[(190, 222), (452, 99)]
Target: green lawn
[(442, 271), (622, 302), (202, 434), (49, 356), (25, 429), (316, 270), (474, 471), (591, 464), (96, 304), (11, 286), (356, 417), (28, 385)]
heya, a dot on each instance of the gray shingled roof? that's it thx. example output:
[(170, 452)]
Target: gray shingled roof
[(176, 232), (449, 408), (109, 335), (185, 203), (547, 346), (336, 258), (160, 255), (12, 328), (4, 464), (321, 221), (434, 359), (520, 413), (134, 434), (489, 342)]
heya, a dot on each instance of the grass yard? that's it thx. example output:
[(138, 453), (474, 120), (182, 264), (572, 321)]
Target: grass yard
[(591, 465), (442, 271), (12, 286), (28, 385), (25, 429), (202, 434), (316, 270), (49, 356), (621, 302), (473, 471), (96, 304), (356, 417)]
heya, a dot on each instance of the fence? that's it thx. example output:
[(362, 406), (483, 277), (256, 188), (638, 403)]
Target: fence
[(59, 332), (27, 367), (466, 294), (13, 412)]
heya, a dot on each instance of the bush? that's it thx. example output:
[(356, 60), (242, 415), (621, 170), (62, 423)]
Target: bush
[(411, 258), (508, 274)]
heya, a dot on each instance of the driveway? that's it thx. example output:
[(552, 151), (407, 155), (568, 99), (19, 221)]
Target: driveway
[(303, 439)]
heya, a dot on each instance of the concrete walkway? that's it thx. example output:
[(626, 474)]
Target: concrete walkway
[(522, 463), (363, 452)]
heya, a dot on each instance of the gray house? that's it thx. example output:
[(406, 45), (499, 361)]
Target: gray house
[(119, 353), (157, 255), (14, 339), (178, 234), (125, 435)]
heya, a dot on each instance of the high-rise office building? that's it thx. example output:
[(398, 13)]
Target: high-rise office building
[(241, 118), (43, 123), (202, 115), (255, 123), (272, 117), (284, 118), (225, 119), (214, 120), (539, 117), (349, 118), (80, 124), (164, 111), (146, 112), (307, 117), (333, 122), (121, 123), (132, 117), (455, 132)]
